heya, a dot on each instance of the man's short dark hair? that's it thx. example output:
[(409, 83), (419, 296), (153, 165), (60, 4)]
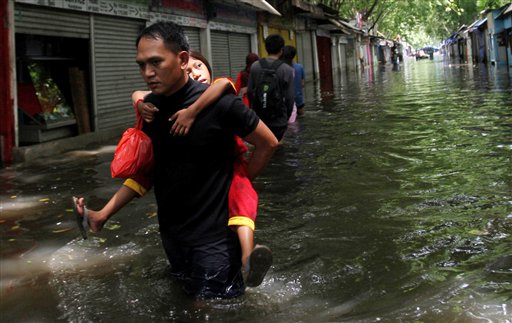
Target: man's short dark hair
[(172, 34), (289, 52), (274, 44)]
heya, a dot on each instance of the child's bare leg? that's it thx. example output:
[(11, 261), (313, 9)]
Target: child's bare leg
[(256, 260), (246, 237)]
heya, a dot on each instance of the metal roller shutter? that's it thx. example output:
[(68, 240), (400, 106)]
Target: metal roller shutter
[(239, 47), (343, 56), (228, 53), (50, 22), (220, 54), (116, 72), (193, 37), (307, 58)]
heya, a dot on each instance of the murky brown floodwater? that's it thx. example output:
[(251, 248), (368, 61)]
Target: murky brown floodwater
[(390, 201)]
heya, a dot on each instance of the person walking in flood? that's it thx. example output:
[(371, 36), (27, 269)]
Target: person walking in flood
[(192, 174), (242, 199), (243, 78), (289, 53), (270, 88)]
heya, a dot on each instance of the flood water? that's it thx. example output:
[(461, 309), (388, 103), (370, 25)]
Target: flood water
[(390, 201)]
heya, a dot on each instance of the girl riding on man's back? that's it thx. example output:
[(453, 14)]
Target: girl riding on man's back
[(242, 198)]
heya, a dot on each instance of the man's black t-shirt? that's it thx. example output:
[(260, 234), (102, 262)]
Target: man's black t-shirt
[(193, 173)]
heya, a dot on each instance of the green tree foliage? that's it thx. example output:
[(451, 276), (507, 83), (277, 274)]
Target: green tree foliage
[(419, 22)]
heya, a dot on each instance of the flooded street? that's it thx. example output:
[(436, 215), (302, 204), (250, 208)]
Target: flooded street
[(390, 201)]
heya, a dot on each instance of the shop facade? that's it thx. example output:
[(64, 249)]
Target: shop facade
[(7, 124), (305, 18), (74, 64), (73, 61), (506, 35), (324, 46), (223, 33), (233, 35), (75, 70), (307, 54)]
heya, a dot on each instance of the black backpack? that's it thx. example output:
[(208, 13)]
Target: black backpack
[(268, 102)]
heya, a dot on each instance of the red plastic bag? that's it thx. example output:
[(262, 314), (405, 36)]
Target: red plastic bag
[(134, 153)]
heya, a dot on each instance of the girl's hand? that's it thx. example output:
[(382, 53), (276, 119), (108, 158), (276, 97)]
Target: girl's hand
[(183, 120), (147, 111)]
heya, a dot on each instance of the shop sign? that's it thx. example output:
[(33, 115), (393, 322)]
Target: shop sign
[(180, 20), (105, 7)]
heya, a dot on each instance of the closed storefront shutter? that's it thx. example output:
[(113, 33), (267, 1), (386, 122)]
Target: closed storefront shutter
[(300, 48), (115, 71), (239, 47), (37, 20), (220, 53), (343, 57), (193, 38), (228, 53), (306, 54)]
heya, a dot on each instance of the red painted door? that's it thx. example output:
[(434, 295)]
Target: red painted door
[(6, 101), (323, 45)]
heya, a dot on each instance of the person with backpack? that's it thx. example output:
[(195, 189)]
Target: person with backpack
[(270, 89)]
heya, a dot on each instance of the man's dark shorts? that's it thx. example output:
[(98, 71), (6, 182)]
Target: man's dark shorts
[(209, 270)]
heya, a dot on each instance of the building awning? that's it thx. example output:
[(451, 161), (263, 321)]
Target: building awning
[(462, 28), (303, 5), (507, 11), (350, 27), (480, 23), (452, 39), (308, 9), (475, 25), (335, 25), (261, 4), (381, 35)]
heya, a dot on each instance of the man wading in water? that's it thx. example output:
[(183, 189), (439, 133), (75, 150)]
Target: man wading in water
[(192, 174)]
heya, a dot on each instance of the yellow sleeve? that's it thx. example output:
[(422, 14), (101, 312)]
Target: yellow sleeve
[(232, 89), (241, 221), (133, 185)]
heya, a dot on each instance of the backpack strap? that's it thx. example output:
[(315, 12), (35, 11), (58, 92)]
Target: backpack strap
[(276, 64), (266, 65)]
